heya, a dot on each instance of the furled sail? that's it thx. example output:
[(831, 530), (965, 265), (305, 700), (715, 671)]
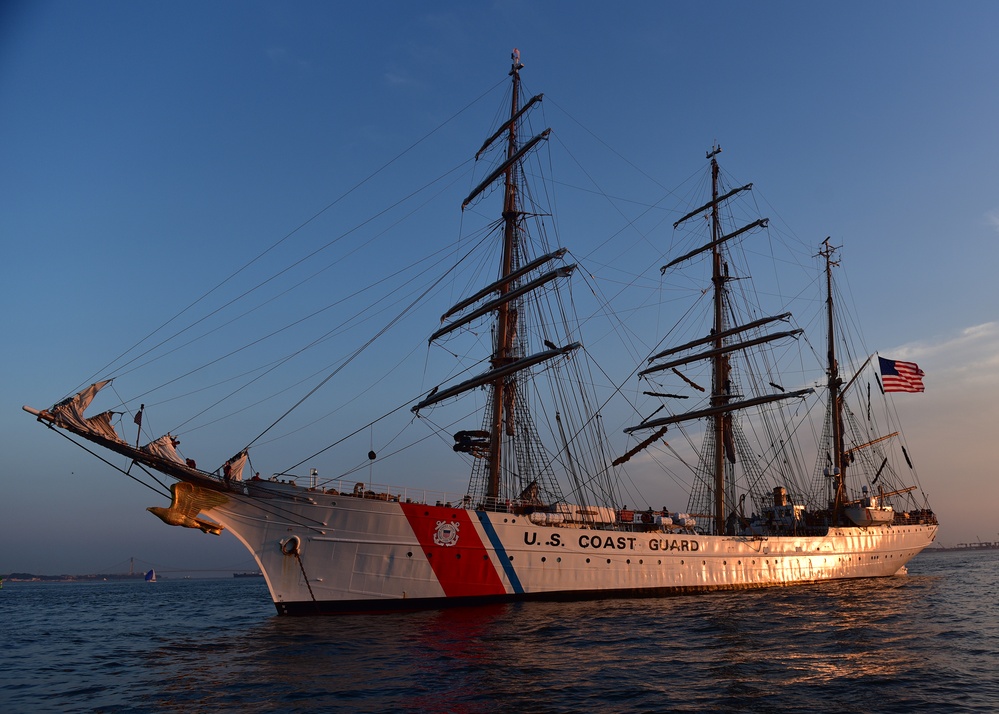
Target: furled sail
[(761, 223), (165, 448), (502, 168), (715, 411), (494, 374), (727, 333), (735, 347), (69, 412), (101, 424), (501, 283), (509, 296)]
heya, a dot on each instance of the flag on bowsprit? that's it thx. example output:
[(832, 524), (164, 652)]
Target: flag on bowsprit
[(138, 422), (898, 376)]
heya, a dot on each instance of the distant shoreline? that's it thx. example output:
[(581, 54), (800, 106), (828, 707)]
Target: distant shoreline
[(118, 577), (99, 577), (964, 547)]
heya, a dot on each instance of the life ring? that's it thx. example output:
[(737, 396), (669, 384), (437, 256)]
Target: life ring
[(291, 546)]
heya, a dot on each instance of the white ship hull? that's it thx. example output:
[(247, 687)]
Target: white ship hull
[(374, 555)]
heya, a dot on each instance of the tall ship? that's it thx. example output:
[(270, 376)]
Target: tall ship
[(544, 514)]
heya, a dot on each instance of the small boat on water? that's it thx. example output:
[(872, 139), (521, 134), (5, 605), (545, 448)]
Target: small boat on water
[(543, 515), (150, 576)]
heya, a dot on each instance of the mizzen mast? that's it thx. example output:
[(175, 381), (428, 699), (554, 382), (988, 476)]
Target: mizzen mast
[(834, 385)]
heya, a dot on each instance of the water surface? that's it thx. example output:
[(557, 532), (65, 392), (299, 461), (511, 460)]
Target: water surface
[(927, 642)]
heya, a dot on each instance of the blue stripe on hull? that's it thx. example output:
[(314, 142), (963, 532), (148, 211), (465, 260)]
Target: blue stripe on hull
[(511, 574)]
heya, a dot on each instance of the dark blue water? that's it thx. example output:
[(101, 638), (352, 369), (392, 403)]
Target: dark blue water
[(928, 642)]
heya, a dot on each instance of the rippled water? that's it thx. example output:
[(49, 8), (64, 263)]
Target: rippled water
[(928, 642)]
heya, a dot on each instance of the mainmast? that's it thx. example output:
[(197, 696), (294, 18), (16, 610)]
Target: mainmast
[(720, 363), (721, 345), (835, 399)]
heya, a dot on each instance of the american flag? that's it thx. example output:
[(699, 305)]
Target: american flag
[(898, 376)]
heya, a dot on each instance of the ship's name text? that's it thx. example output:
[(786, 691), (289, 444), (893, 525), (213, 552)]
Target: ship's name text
[(675, 544), (610, 542)]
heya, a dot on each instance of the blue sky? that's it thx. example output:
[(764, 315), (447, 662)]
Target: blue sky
[(148, 150)]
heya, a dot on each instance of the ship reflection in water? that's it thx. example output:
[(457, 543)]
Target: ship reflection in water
[(843, 632), (530, 655), (926, 642)]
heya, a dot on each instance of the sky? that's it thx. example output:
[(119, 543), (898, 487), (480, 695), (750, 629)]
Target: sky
[(147, 150)]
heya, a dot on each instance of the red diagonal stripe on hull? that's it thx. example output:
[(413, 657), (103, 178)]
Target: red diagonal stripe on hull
[(463, 569)]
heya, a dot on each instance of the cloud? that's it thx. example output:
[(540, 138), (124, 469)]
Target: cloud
[(949, 427), (972, 350), (397, 79), (992, 219), (401, 77), (281, 56)]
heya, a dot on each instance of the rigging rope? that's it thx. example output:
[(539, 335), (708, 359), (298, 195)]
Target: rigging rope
[(359, 350), (288, 235)]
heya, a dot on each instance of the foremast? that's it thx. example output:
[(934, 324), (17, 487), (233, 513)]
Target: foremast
[(503, 353), (508, 357)]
